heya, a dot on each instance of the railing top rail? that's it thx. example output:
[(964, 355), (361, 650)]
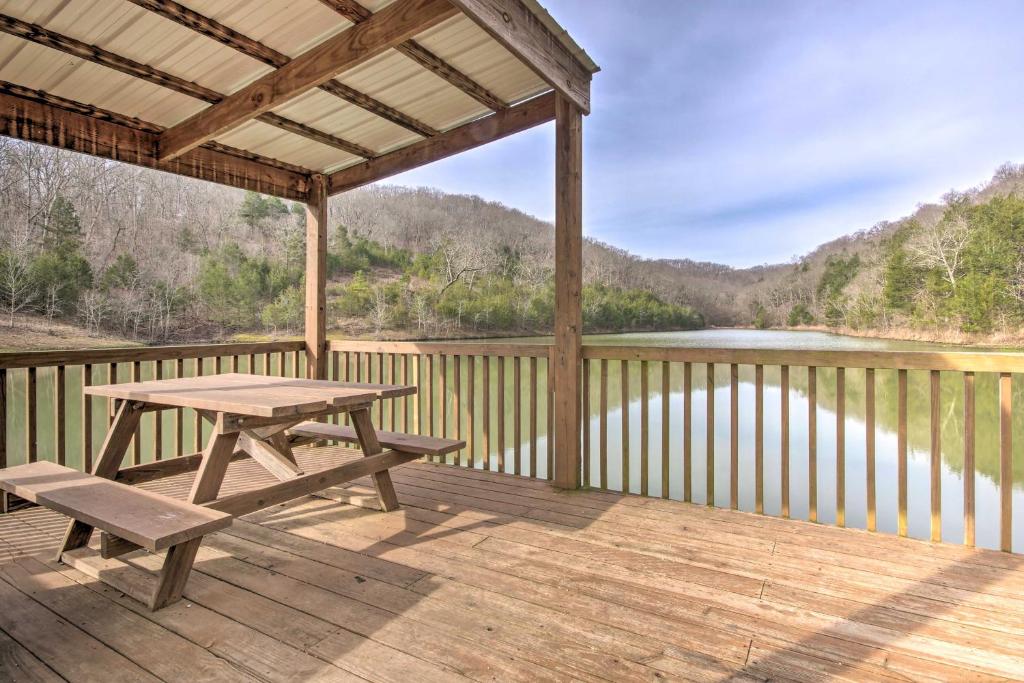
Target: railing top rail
[(458, 348), (36, 359), (962, 361)]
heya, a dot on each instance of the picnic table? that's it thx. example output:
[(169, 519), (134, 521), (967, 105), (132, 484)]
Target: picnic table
[(250, 416)]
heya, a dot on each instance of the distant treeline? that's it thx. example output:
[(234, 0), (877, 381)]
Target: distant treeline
[(954, 267), (154, 257)]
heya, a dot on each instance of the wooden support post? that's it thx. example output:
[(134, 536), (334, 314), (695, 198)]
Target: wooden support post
[(316, 279), (568, 287)]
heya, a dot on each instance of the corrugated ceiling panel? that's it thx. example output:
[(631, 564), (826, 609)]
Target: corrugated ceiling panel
[(291, 27), (469, 49), (278, 144), (46, 69), (332, 115), (288, 26), (400, 82)]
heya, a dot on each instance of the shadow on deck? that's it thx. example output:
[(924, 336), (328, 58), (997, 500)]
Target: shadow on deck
[(491, 577)]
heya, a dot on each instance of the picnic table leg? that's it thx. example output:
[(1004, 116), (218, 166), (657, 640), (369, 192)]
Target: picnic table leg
[(179, 559), (108, 462), (368, 442)]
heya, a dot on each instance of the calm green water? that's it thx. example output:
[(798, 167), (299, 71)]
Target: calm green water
[(987, 433), (987, 465)]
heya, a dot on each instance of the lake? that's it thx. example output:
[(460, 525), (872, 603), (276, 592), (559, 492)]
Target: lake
[(918, 407), (987, 428)]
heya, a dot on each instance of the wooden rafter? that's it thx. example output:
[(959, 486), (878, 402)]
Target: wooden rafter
[(480, 132), (97, 55), (513, 25), (356, 13), (36, 116), (253, 48), (354, 46)]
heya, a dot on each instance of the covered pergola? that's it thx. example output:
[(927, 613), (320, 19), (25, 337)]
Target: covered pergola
[(304, 100)]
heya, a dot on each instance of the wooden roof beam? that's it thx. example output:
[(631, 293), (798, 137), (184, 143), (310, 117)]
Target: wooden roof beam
[(467, 136), (513, 25), (385, 29), (179, 14), (356, 13), (36, 116), (97, 55)]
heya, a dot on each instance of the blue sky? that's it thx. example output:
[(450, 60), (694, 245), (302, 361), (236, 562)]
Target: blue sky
[(750, 131)]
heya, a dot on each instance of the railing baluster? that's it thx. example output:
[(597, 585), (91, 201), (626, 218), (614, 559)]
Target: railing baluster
[(137, 439), (665, 396), (413, 404), (734, 436), (59, 415), (935, 469), (197, 436), (645, 405), (869, 445), (251, 367), (3, 418), (471, 409), (687, 432), (86, 419), (31, 446), (233, 364), (624, 383), (533, 416), (784, 438), (517, 409), (710, 435), (158, 417), (603, 424), (430, 393), (485, 421), (901, 452), (443, 392), (393, 379), (179, 421), (840, 447), (549, 412), (969, 459), (501, 413), (812, 443), (1005, 461), (759, 439), (457, 404)]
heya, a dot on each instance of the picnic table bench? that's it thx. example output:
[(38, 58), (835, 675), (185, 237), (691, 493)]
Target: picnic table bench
[(250, 416)]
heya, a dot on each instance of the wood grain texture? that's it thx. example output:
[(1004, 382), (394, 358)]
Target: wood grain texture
[(525, 36), (568, 329), (315, 326), (147, 519), (405, 443), (350, 48), (463, 138)]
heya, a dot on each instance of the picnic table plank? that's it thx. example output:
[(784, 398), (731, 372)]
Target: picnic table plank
[(249, 394), (145, 518)]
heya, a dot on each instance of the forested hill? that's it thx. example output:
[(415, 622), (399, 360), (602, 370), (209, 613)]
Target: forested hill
[(949, 268), (144, 255), (150, 256)]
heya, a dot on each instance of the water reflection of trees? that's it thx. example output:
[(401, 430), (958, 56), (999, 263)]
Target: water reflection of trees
[(918, 404)]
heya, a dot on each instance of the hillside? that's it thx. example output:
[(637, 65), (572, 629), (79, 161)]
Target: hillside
[(120, 252)]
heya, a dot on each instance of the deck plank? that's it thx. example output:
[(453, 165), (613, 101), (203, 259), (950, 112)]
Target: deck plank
[(487, 576)]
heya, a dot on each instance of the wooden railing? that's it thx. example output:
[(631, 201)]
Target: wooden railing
[(821, 382), (43, 410), (494, 396), (863, 438)]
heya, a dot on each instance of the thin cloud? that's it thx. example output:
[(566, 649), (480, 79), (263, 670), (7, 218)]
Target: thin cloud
[(747, 132)]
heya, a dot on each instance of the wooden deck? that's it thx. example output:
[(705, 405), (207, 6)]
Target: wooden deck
[(490, 577)]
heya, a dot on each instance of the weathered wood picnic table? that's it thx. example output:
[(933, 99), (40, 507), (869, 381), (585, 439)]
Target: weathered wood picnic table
[(250, 415)]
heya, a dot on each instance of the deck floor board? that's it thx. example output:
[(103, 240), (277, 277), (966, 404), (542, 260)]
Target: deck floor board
[(484, 576)]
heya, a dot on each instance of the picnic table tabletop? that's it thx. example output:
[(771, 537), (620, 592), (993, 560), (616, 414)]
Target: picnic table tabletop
[(244, 394)]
